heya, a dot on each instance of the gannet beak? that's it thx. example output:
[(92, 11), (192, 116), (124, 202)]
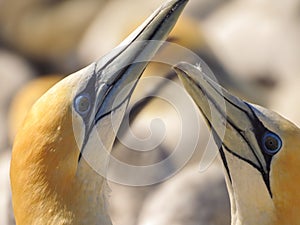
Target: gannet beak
[(125, 64), (235, 124), (108, 83)]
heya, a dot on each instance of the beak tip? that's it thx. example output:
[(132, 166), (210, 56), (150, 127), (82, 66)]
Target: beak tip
[(180, 67), (186, 70)]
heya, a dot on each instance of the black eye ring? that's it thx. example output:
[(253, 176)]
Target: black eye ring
[(82, 104), (271, 143)]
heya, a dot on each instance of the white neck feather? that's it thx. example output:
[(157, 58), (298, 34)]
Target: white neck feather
[(95, 192), (251, 203)]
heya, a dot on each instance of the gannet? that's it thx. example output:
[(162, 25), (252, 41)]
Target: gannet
[(258, 148), (52, 181)]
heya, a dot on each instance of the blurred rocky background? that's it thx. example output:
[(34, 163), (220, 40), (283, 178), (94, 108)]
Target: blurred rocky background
[(252, 47)]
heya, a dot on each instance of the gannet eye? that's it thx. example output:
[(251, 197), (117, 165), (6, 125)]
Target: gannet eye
[(271, 143), (82, 104)]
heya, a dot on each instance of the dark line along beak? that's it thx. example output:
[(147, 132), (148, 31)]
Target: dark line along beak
[(124, 65), (118, 72), (233, 121)]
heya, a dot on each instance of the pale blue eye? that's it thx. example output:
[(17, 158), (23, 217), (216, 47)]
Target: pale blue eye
[(83, 104), (271, 143)]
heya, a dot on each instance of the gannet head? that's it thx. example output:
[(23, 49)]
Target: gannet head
[(259, 150), (64, 142)]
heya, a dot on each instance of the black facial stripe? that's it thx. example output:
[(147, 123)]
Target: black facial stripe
[(116, 56), (91, 89), (223, 157), (86, 119), (88, 130), (259, 133), (87, 133), (219, 145), (254, 119), (230, 122), (80, 156), (113, 109), (260, 129), (225, 97), (136, 37), (242, 158), (260, 169), (221, 151), (138, 53), (264, 175)]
